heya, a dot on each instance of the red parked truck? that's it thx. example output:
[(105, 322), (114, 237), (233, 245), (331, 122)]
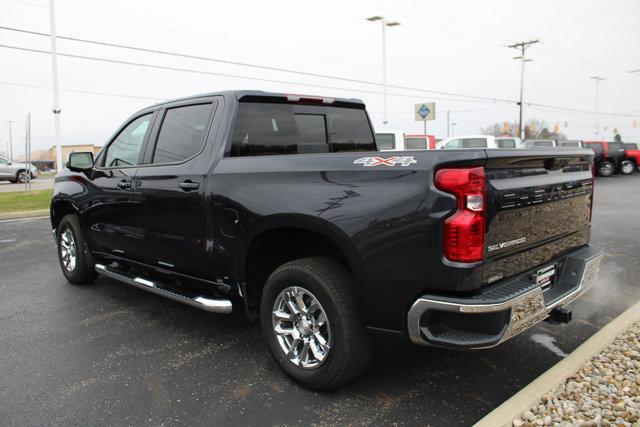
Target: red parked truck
[(633, 154), (610, 157)]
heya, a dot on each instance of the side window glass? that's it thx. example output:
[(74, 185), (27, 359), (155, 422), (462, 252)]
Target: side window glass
[(125, 148), (3, 161), (182, 133)]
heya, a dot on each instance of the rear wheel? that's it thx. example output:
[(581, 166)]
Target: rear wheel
[(310, 318), (606, 169), (74, 261), (627, 167)]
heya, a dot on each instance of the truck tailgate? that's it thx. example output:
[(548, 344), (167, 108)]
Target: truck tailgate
[(538, 208)]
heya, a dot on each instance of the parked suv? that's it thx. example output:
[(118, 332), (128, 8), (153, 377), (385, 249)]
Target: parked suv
[(610, 157), (16, 172), (633, 154), (280, 206)]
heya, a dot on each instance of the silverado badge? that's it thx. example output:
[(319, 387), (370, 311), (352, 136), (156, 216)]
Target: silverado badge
[(389, 161)]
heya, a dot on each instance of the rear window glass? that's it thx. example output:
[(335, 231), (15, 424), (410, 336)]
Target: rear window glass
[(506, 143), (631, 146), (270, 129), (415, 143), (386, 141)]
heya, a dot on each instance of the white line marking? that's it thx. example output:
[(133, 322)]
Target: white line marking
[(7, 241)]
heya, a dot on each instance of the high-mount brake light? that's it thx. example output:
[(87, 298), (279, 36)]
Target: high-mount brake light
[(308, 99), (464, 230)]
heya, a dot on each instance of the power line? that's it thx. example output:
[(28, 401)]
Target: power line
[(87, 92), (264, 67), (347, 89), (163, 67)]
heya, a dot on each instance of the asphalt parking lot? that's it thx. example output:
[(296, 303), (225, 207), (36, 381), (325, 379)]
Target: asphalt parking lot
[(111, 354)]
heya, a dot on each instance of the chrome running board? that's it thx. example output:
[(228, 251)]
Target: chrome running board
[(202, 302)]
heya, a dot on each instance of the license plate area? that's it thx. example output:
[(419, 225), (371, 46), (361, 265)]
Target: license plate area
[(546, 277)]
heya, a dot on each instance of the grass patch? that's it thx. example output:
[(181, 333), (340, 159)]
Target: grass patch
[(21, 201)]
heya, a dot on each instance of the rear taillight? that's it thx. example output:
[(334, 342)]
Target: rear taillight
[(464, 230)]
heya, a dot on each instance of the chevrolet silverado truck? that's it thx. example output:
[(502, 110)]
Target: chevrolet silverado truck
[(280, 207)]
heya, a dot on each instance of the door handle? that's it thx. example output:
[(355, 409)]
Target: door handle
[(123, 185), (188, 185)]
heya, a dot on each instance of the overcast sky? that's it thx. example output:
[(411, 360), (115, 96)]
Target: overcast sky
[(456, 47)]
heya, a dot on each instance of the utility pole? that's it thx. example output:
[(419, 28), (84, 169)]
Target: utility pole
[(448, 124), (522, 46), (384, 23), (54, 71), (453, 126), (597, 79), (10, 151)]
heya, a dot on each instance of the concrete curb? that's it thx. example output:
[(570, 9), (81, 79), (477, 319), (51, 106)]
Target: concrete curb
[(26, 214), (520, 402)]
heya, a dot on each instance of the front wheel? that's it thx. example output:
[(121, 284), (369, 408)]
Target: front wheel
[(606, 169), (22, 176), (627, 167), (71, 254), (311, 321)]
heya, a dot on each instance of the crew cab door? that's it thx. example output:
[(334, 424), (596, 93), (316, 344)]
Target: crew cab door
[(170, 190), (110, 221)]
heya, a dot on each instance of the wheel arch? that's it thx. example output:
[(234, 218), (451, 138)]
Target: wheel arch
[(281, 238), (59, 209)]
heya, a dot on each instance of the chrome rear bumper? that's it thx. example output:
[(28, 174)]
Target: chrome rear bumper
[(506, 309)]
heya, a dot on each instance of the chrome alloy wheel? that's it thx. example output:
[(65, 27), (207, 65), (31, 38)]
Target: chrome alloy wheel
[(301, 327), (68, 249), (607, 169)]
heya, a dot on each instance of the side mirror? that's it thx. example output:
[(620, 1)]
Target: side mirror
[(80, 162)]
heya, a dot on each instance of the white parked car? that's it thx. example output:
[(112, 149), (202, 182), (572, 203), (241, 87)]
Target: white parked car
[(397, 140)]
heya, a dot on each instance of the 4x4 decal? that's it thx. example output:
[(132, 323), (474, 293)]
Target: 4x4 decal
[(389, 161)]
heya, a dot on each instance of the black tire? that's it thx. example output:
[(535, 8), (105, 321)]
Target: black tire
[(332, 285), (606, 168), (21, 176), (627, 167), (82, 271)]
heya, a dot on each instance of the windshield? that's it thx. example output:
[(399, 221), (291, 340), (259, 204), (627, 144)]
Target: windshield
[(631, 146)]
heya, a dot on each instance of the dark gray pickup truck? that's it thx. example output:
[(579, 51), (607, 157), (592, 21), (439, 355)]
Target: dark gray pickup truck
[(280, 206)]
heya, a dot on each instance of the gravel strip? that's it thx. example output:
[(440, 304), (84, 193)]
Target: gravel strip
[(604, 392)]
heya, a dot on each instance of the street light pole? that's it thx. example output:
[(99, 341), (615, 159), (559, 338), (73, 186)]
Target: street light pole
[(522, 46), (384, 23), (10, 151), (597, 79), (54, 71)]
